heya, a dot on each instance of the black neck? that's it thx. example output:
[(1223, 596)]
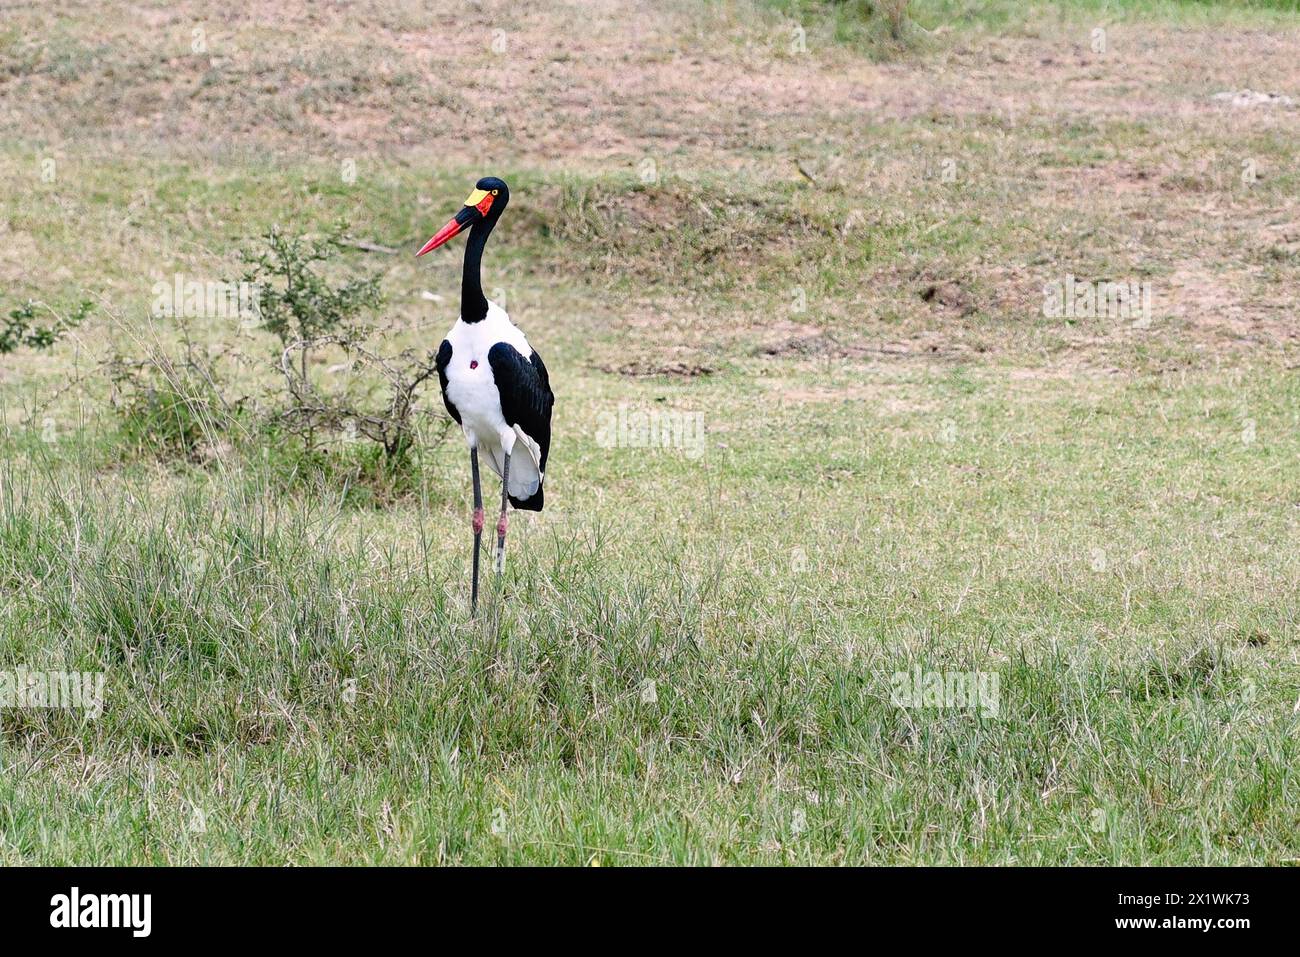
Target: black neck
[(473, 304)]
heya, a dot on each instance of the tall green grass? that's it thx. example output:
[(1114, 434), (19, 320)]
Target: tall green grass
[(293, 679)]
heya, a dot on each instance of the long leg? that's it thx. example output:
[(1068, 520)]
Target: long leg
[(477, 525), (502, 521)]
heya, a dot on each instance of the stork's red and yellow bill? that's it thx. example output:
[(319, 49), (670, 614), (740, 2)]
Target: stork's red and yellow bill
[(476, 208)]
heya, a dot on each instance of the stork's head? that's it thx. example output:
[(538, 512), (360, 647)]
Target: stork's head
[(486, 202)]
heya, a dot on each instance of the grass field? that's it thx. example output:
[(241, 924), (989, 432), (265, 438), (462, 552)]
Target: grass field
[(812, 248)]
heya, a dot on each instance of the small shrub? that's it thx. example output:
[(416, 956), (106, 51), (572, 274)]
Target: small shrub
[(22, 329), (171, 408), (295, 302), (306, 313)]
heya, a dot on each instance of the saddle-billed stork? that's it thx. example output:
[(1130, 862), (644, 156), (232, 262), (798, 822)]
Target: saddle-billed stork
[(494, 383)]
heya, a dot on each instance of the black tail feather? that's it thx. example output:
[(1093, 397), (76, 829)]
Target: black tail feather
[(530, 504)]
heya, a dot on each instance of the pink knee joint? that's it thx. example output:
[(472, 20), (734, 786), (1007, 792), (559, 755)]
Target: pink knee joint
[(478, 520), (501, 526)]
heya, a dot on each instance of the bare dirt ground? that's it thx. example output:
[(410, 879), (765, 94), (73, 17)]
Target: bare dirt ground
[(1107, 161), (625, 82)]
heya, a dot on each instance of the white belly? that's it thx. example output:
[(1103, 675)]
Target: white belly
[(472, 389), (474, 394)]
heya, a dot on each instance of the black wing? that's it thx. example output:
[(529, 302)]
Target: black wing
[(525, 390), (444, 358)]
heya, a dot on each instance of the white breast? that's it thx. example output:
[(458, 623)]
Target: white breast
[(473, 391)]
